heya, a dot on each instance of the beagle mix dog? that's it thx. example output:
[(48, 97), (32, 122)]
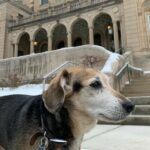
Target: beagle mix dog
[(70, 107)]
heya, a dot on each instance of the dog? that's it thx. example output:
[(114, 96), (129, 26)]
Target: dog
[(75, 99)]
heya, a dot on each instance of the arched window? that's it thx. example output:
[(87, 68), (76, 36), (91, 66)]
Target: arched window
[(44, 2)]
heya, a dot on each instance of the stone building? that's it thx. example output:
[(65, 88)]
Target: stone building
[(34, 26)]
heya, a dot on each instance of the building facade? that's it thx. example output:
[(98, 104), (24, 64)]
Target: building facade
[(35, 26)]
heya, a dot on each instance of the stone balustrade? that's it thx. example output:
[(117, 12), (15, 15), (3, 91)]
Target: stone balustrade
[(35, 66), (61, 9)]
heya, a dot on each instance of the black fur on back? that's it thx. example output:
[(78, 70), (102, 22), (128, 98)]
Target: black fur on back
[(21, 114)]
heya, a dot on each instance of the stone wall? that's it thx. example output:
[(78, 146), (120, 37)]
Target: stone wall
[(10, 12), (2, 28), (131, 24), (35, 66)]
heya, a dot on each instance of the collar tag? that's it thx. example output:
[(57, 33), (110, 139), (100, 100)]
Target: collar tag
[(58, 141)]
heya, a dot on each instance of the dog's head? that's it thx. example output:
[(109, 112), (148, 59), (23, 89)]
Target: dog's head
[(88, 90)]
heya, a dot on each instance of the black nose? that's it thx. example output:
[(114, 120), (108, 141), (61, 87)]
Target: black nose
[(128, 106)]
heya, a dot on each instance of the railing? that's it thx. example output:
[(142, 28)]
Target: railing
[(31, 68), (52, 73), (125, 75), (60, 9)]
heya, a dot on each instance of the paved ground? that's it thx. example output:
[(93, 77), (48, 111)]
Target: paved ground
[(115, 137)]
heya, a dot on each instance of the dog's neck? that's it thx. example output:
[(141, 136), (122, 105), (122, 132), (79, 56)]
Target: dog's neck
[(58, 122), (80, 120), (79, 123)]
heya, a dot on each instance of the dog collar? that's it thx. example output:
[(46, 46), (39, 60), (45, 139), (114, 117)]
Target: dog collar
[(63, 134)]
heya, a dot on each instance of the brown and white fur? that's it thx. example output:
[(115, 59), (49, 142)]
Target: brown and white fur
[(88, 97)]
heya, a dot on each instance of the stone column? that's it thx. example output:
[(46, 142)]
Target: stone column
[(116, 36), (16, 50), (69, 38), (91, 35), (50, 42), (31, 46), (122, 35)]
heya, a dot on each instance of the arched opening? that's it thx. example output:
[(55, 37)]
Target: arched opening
[(24, 45), (40, 41), (97, 39), (80, 32), (59, 35), (77, 42), (61, 44), (103, 31)]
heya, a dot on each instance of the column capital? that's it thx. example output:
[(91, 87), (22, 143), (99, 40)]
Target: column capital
[(115, 21), (31, 40), (69, 32), (91, 27), (49, 35)]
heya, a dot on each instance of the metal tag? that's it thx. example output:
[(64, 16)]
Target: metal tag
[(58, 141), (44, 143)]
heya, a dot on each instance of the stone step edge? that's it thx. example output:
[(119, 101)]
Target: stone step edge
[(147, 117)]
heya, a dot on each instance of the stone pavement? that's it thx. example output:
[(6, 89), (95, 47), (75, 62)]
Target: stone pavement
[(117, 137)]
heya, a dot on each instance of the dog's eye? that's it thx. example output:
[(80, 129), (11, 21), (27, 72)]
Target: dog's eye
[(96, 84)]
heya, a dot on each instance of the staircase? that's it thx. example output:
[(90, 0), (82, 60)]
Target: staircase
[(138, 90), (138, 87)]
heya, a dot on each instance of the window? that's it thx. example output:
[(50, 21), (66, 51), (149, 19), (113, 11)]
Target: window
[(44, 2), (149, 21)]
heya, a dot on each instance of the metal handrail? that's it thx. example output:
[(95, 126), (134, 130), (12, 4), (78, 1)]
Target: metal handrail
[(51, 73), (128, 70), (119, 75)]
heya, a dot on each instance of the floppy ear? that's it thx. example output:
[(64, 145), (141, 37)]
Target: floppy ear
[(55, 94)]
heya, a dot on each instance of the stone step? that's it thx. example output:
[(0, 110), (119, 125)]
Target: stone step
[(135, 90), (138, 83), (141, 100), (133, 120), (141, 110), (137, 120), (135, 94), (146, 74), (143, 78), (137, 86)]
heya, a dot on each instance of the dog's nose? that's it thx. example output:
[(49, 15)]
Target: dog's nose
[(128, 106)]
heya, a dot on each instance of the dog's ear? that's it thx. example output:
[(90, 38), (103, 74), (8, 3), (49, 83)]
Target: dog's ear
[(55, 94)]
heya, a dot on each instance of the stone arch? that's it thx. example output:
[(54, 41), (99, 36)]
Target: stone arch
[(80, 30), (40, 38), (59, 36), (20, 35), (109, 13), (23, 44), (103, 26)]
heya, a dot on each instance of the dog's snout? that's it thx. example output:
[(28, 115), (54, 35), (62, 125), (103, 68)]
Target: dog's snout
[(128, 106)]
